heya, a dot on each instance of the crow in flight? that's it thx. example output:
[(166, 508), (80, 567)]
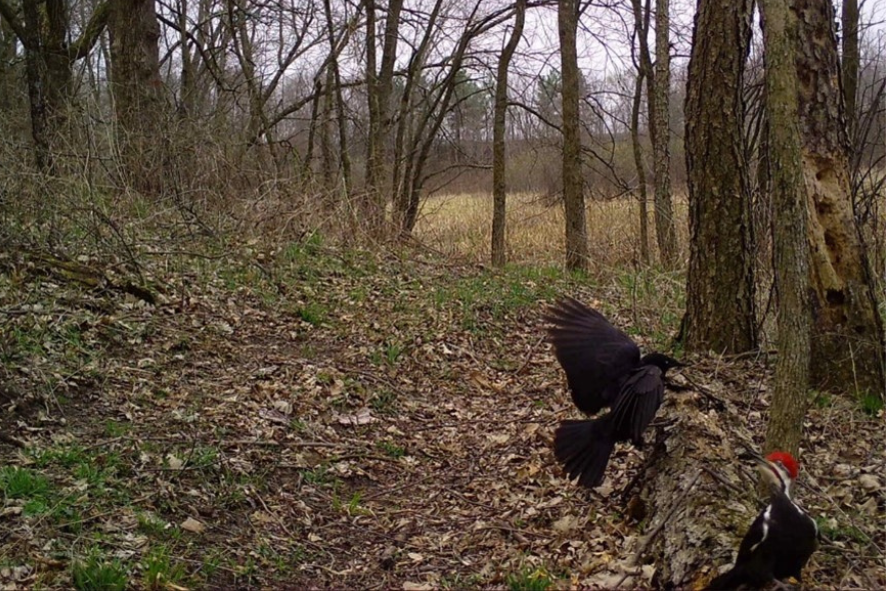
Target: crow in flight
[(604, 369)]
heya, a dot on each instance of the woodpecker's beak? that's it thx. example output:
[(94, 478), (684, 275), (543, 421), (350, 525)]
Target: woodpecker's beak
[(772, 474)]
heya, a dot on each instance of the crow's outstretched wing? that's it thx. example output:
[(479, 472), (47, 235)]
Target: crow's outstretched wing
[(595, 355), (638, 401)]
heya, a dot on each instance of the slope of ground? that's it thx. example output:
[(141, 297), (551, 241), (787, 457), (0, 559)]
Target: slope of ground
[(329, 418)]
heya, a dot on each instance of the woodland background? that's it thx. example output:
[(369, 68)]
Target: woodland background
[(273, 275)]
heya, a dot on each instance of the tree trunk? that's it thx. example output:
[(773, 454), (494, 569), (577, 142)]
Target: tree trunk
[(697, 502), (379, 87), (851, 61), (642, 196), (789, 397), (573, 196), (135, 80), (847, 337), (720, 291), (35, 71), (499, 161), (664, 208), (344, 154)]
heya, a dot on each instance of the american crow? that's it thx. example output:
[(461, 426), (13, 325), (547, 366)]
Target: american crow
[(782, 538), (604, 369)]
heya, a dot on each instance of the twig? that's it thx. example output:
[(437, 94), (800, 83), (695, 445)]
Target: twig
[(523, 367), (11, 440)]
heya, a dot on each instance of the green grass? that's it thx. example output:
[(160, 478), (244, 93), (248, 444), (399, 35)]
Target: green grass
[(391, 449), (313, 313), (96, 573), (21, 483), (836, 531), (529, 580), (159, 568), (384, 402), (871, 403)]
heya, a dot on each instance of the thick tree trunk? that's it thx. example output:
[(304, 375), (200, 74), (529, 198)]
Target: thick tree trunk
[(720, 301), (138, 99), (573, 195), (847, 339), (665, 229), (698, 503), (499, 160), (790, 396)]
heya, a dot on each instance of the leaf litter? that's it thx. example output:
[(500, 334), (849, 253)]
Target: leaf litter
[(363, 423)]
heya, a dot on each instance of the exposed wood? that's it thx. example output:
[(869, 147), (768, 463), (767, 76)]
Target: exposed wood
[(847, 341)]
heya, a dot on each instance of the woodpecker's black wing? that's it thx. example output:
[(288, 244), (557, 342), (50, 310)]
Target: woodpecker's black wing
[(638, 401), (595, 355)]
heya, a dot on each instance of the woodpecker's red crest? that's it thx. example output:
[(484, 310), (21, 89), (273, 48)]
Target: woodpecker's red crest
[(786, 460)]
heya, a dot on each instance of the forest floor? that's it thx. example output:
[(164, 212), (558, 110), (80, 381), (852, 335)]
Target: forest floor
[(317, 417)]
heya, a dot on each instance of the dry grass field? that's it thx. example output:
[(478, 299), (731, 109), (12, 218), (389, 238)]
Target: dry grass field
[(461, 225)]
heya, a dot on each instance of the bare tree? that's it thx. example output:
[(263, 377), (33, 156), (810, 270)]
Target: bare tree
[(379, 85), (137, 88), (573, 193), (499, 161), (720, 290), (851, 60), (664, 208)]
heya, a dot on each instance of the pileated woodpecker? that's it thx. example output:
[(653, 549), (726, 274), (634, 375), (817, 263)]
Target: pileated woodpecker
[(604, 370), (781, 539)]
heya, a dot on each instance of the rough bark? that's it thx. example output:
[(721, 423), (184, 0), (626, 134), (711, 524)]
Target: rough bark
[(720, 301), (573, 196), (642, 196), (137, 88), (499, 159), (789, 397), (847, 340), (698, 503), (665, 230)]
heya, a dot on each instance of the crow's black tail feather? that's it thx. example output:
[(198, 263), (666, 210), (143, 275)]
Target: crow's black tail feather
[(584, 447)]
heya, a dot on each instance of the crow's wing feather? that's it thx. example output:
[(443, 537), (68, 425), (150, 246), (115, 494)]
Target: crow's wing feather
[(639, 399), (595, 355)]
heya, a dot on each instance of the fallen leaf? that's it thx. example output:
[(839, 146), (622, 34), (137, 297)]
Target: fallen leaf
[(192, 525)]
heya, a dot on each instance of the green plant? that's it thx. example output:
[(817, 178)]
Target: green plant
[(832, 530), (391, 449), (21, 483), (312, 313), (821, 399), (384, 401), (97, 574), (319, 475), (529, 580), (871, 403), (159, 569)]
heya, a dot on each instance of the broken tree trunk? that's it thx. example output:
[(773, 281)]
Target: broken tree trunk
[(700, 496)]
